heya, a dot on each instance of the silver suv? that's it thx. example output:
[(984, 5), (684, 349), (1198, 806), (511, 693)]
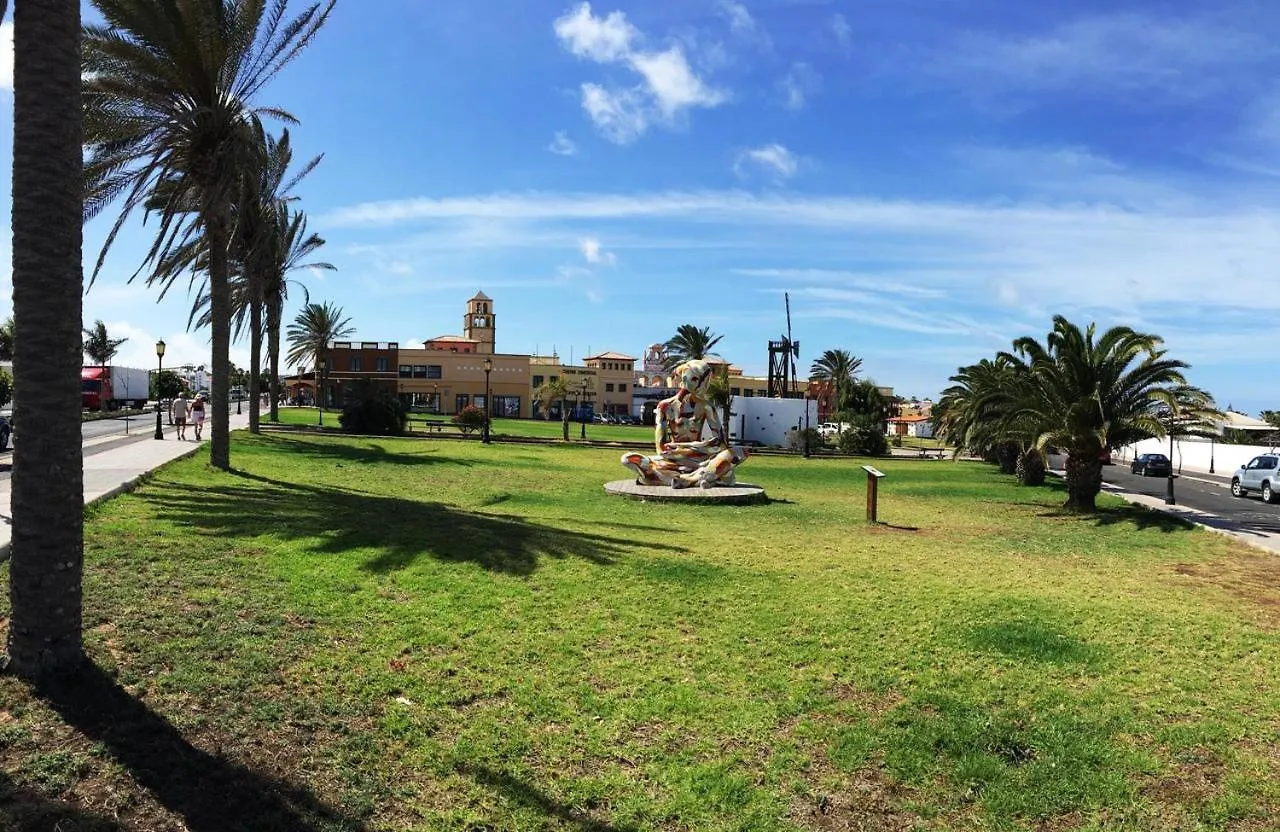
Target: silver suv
[(1261, 474)]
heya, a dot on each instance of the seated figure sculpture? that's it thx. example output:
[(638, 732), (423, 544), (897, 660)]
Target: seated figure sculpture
[(684, 459)]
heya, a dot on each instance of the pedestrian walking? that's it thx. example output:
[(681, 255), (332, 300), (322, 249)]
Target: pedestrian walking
[(178, 413), (197, 415)]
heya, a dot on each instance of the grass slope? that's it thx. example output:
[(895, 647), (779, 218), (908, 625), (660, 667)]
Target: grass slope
[(395, 634)]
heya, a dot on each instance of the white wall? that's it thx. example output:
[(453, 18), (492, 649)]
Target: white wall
[(766, 420), (1194, 455)]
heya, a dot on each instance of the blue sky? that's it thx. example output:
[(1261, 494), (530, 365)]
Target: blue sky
[(927, 178)]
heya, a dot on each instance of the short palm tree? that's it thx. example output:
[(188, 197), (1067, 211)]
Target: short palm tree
[(839, 368), (168, 92), (47, 563), (290, 252), (1092, 393), (552, 391), (310, 334), (689, 343)]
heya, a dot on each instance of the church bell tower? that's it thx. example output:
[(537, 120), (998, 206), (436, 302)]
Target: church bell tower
[(477, 324)]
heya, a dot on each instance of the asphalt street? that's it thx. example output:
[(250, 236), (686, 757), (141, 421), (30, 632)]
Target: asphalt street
[(1213, 497)]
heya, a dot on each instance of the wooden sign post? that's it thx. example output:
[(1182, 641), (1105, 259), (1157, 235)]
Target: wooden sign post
[(873, 482)]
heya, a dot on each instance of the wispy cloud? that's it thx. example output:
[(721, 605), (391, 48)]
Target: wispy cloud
[(743, 27), (798, 85), (562, 145), (668, 86), (594, 254), (842, 32), (771, 160)]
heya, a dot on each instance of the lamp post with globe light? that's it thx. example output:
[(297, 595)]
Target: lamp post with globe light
[(159, 370), (488, 406)]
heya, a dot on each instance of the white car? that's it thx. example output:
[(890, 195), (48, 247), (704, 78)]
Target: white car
[(1261, 474)]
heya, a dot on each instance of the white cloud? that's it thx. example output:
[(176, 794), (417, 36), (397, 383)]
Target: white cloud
[(801, 81), (743, 26), (593, 254), (601, 39), (562, 145), (774, 160), (842, 32), (667, 88), (620, 115), (6, 56)]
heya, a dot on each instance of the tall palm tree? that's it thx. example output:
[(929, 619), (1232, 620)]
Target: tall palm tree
[(1092, 393), (689, 343), (309, 337), (291, 251), (168, 96), (101, 348), (47, 562), (839, 368), (550, 392)]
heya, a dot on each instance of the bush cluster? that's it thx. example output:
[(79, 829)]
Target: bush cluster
[(469, 418), (374, 410)]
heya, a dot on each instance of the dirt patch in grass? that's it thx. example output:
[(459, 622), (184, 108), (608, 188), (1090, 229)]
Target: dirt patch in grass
[(863, 802), (1248, 576)]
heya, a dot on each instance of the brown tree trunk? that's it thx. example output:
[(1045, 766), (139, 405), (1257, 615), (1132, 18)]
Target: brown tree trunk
[(1084, 481), (274, 313), (1007, 457), (1031, 470), (564, 418), (45, 590), (220, 329), (255, 360)]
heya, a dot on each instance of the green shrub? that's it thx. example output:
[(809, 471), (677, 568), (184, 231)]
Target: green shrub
[(374, 410), (896, 441), (470, 418), (6, 387), (795, 439), (864, 436)]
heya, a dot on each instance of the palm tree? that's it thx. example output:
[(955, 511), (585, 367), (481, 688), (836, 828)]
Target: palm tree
[(839, 368), (101, 348), (973, 413), (290, 252), (1092, 394), (689, 343), (47, 563), (552, 391), (168, 102), (309, 336), (720, 395)]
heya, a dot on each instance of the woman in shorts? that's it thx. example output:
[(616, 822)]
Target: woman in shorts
[(197, 414)]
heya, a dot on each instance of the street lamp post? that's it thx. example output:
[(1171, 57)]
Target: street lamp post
[(239, 395), (435, 398), (806, 426), (581, 413), (1168, 495), (159, 370), (488, 405), (1211, 441)]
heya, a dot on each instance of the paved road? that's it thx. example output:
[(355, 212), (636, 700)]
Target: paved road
[(1250, 513)]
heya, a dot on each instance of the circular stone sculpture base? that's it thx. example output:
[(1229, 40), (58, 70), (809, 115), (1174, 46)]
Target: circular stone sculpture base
[(729, 494)]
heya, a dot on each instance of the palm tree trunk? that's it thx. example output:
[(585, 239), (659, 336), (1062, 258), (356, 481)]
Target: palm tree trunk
[(220, 328), (564, 418), (274, 314), (255, 360), (1030, 468), (45, 591), (1084, 481)]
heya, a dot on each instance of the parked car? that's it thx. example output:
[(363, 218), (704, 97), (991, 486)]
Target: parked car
[(1261, 474), (1152, 465), (6, 431)]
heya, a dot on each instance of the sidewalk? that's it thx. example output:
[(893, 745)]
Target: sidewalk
[(115, 464)]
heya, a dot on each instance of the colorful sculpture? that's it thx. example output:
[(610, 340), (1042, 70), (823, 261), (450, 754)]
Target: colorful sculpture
[(684, 459)]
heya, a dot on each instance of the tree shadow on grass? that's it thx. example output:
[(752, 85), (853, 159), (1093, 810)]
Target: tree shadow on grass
[(25, 808), (1140, 517), (527, 795), (397, 531), (365, 452), (1031, 640), (209, 792)]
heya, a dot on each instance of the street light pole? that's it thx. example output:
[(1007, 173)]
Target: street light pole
[(159, 370), (488, 405), (240, 395), (806, 425), (1168, 496), (581, 413), (1212, 439)]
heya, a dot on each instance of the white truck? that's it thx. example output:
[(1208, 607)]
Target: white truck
[(118, 386)]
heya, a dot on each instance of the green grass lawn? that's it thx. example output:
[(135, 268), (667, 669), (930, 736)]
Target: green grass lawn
[(398, 634), (501, 427)]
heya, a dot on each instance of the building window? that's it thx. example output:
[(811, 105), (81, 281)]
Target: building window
[(508, 406), (734, 391), (746, 393), (622, 388), (434, 371), (608, 387), (461, 402), (537, 382), (383, 364), (356, 364), (406, 371)]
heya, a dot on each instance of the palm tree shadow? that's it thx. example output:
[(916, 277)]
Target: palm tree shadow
[(25, 808), (397, 531), (366, 452), (1140, 517), (528, 795), (209, 792)]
